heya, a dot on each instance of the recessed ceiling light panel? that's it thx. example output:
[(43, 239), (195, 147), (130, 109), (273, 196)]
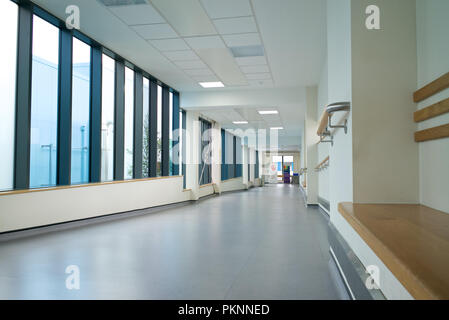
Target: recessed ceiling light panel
[(247, 51), (240, 122), (264, 112), (216, 84), (277, 128), (112, 3)]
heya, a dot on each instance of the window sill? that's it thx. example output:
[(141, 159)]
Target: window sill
[(14, 192)]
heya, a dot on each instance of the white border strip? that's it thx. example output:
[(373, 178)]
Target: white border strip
[(342, 273), (324, 209)]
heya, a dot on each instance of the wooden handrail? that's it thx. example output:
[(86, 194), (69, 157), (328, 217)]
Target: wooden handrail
[(432, 88), (322, 162), (411, 240), (432, 133), (432, 111), (323, 123)]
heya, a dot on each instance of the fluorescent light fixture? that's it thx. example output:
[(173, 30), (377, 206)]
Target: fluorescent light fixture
[(263, 112), (277, 128), (247, 51), (217, 84), (240, 122)]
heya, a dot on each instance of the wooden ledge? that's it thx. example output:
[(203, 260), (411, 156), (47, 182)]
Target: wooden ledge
[(411, 240), (5, 193)]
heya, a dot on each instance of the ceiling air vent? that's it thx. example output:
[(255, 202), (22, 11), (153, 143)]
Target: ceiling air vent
[(247, 51), (113, 3)]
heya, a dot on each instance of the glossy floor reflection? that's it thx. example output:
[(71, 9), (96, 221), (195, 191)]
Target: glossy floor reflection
[(259, 244)]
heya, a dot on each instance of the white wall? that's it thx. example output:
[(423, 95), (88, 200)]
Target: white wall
[(385, 155), (312, 139), (39, 208), (353, 56), (323, 148), (232, 185), (339, 89), (433, 61)]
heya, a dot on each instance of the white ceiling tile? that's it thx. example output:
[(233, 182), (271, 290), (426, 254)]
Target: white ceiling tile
[(199, 72), (206, 78), (186, 16), (191, 64), (137, 14), (236, 25), (255, 69), (210, 42), (169, 44), (251, 61), (258, 76), (261, 83), (227, 8), (155, 31), (223, 64), (183, 55), (240, 40)]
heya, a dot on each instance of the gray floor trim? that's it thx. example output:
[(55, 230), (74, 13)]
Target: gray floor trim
[(339, 280), (352, 270), (324, 203), (324, 211)]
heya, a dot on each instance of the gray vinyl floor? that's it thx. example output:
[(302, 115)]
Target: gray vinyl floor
[(259, 244)]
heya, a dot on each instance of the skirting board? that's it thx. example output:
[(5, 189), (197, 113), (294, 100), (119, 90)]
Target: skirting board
[(324, 209), (351, 269), (324, 204)]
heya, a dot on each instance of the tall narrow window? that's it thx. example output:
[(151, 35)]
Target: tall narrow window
[(184, 147), (159, 132), (8, 54), (44, 104), (224, 171), (107, 119), (238, 158), (170, 136), (230, 155), (204, 171), (80, 112), (180, 144), (146, 129), (129, 123), (256, 166)]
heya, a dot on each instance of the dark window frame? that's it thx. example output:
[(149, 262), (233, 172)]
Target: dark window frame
[(23, 102)]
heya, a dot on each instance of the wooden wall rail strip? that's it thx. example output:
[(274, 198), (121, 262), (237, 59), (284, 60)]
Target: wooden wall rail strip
[(12, 192), (322, 162), (323, 123), (432, 88), (411, 240), (432, 133), (432, 111), (206, 185)]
